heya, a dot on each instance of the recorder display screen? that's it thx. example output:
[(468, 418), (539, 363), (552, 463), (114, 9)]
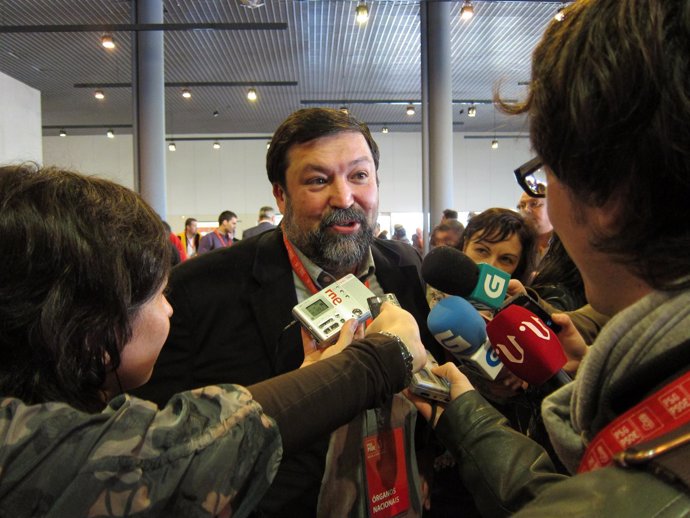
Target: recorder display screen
[(317, 308)]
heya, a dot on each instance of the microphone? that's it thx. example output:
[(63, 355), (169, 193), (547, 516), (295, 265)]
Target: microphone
[(527, 347), (449, 270), (461, 330)]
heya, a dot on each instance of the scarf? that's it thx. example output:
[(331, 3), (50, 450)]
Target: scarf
[(654, 324)]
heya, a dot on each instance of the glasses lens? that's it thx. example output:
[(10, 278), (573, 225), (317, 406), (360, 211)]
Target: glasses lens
[(536, 182), (532, 178)]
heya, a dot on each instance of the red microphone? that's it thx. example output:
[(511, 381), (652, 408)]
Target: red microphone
[(527, 347)]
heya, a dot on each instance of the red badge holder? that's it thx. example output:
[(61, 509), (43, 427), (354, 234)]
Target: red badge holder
[(371, 467)]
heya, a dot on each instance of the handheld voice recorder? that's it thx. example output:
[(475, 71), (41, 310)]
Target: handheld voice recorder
[(324, 313), (428, 385)]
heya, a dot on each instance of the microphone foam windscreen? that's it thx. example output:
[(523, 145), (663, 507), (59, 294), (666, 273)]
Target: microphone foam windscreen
[(526, 346), (455, 319), (449, 270)]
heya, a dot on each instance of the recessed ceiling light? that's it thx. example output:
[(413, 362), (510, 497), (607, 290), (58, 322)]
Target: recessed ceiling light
[(467, 10), (107, 41), (362, 13)]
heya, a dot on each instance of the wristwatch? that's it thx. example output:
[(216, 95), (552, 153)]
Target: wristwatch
[(406, 355)]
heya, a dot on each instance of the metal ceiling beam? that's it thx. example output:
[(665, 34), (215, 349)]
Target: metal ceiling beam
[(136, 27), (395, 101), (192, 83)]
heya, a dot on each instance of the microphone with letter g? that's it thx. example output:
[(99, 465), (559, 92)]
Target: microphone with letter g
[(449, 270), (527, 347), (461, 330)]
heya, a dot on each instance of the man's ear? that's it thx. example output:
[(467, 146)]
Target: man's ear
[(607, 216), (280, 195)]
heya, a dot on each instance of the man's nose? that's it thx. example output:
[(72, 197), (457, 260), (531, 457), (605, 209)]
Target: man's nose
[(341, 194)]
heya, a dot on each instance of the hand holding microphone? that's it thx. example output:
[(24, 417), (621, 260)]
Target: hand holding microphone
[(395, 320)]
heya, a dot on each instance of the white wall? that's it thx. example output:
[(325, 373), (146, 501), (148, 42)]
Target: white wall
[(94, 155), (20, 124), (202, 181)]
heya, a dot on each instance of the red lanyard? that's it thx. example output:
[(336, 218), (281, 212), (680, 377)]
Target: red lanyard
[(225, 242), (660, 413), (298, 267)]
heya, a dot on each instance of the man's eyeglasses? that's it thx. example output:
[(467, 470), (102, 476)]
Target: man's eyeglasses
[(532, 178), (531, 204)]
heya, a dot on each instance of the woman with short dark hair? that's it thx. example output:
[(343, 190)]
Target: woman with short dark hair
[(84, 317)]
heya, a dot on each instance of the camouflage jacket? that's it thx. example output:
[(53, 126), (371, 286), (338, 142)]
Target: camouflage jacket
[(206, 448)]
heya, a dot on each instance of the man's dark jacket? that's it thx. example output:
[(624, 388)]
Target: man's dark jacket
[(230, 310), (262, 227)]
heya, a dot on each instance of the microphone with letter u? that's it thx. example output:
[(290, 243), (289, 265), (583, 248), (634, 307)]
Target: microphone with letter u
[(527, 347), (449, 270)]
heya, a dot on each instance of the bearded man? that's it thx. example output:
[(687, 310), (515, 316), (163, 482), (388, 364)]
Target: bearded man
[(232, 308)]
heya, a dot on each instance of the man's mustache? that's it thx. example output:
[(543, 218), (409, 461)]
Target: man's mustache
[(343, 217)]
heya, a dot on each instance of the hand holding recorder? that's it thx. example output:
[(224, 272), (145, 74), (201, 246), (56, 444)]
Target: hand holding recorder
[(395, 320)]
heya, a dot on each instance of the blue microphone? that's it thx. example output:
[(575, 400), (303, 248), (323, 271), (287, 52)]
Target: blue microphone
[(461, 330)]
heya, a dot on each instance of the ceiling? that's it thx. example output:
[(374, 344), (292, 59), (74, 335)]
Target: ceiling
[(318, 49)]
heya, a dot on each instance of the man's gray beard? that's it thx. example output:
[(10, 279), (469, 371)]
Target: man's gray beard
[(338, 254)]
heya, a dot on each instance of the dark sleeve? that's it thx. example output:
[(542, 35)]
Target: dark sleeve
[(313, 401), (586, 319), (502, 468)]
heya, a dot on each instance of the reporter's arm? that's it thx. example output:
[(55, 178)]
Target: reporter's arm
[(502, 469), (315, 400)]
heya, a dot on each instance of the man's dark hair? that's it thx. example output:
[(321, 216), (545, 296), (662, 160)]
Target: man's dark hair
[(451, 225), (80, 257), (189, 221), (266, 212), (498, 224), (450, 214), (226, 215), (609, 111), (308, 124)]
